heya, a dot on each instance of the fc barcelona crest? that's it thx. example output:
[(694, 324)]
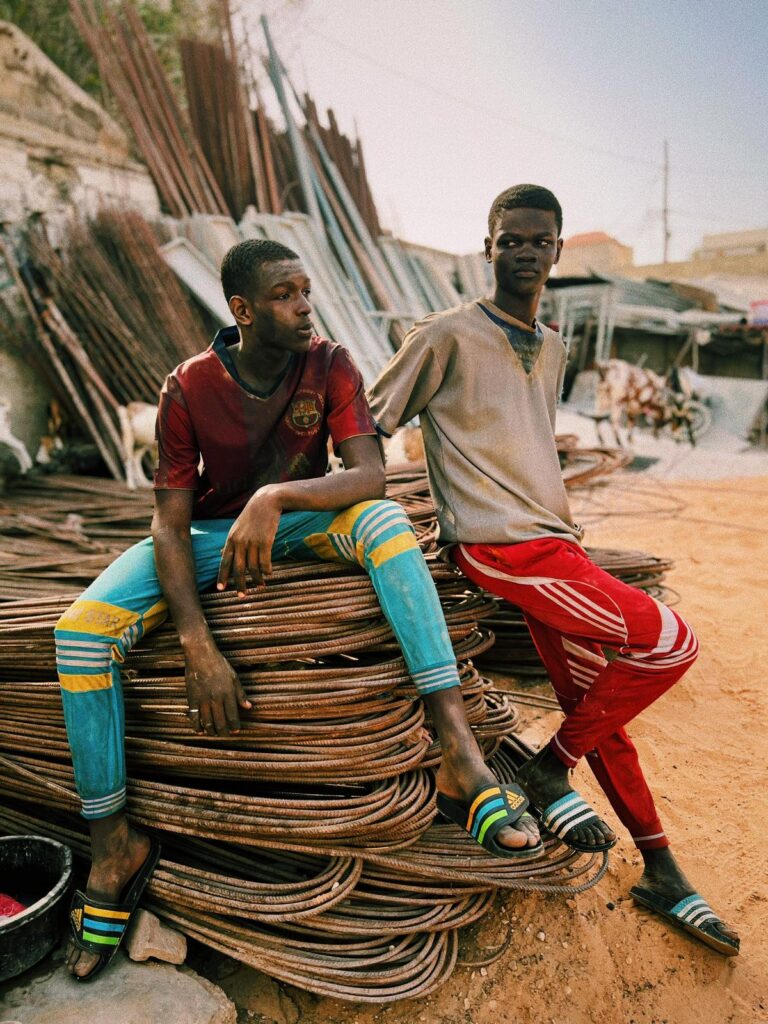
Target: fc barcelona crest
[(305, 413)]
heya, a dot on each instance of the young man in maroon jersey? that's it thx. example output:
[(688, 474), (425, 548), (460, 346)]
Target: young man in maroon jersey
[(257, 408)]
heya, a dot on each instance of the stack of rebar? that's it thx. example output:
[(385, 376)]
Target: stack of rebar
[(221, 153), (106, 318), (129, 67), (226, 130), (305, 845), (347, 156)]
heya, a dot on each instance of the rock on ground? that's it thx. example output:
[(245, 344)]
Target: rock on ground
[(149, 937), (126, 992)]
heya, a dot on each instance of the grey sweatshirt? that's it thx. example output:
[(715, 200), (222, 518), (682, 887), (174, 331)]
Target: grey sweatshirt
[(488, 426)]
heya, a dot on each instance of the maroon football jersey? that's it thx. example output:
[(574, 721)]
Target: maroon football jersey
[(246, 439)]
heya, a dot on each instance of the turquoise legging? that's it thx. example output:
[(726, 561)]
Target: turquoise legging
[(125, 602)]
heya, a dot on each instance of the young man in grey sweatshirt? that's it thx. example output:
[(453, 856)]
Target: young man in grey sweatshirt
[(485, 379)]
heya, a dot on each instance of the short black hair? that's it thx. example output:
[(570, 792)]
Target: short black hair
[(241, 265), (533, 197)]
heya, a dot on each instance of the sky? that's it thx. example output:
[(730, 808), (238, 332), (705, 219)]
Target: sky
[(456, 100)]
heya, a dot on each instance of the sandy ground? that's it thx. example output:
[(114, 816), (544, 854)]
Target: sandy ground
[(704, 746)]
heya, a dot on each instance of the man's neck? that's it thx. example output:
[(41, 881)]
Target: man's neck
[(259, 364), (521, 307)]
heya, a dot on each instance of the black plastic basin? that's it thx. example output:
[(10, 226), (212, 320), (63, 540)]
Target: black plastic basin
[(38, 873)]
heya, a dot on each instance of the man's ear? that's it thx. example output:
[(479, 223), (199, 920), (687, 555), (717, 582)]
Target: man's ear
[(488, 246), (240, 310), (559, 250)]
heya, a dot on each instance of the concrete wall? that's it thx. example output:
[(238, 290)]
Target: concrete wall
[(27, 395), (60, 153)]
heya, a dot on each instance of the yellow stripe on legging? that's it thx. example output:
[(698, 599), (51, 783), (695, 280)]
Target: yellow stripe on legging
[(394, 546), (97, 617), (82, 684), (322, 546), (345, 521), (153, 616)]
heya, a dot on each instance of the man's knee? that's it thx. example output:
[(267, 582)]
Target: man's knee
[(83, 665), (382, 530), (677, 646), (687, 644), (89, 638)]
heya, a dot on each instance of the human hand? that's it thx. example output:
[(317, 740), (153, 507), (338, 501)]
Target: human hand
[(249, 544), (214, 692)]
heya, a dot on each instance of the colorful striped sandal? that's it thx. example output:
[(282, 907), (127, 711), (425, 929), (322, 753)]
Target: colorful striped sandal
[(692, 913), (565, 815), (99, 927), (486, 813)]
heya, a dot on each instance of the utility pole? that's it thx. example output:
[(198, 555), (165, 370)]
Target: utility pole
[(665, 202)]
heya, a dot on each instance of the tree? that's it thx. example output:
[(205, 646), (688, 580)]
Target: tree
[(49, 24)]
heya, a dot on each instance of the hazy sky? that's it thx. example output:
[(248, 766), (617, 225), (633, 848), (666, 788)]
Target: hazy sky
[(457, 99)]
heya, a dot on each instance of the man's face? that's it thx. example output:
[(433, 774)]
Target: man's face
[(523, 249), (278, 309)]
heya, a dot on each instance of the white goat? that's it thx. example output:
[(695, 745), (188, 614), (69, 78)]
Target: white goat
[(137, 426), (12, 442)]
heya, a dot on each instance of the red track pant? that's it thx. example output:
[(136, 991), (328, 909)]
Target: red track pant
[(574, 611)]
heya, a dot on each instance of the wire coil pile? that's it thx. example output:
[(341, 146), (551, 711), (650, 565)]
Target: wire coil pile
[(305, 845)]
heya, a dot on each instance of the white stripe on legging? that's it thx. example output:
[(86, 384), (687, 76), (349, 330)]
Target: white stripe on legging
[(580, 670), (345, 546), (93, 644), (403, 523), (567, 753), (582, 680), (101, 803), (661, 664), (363, 530), (497, 575), (582, 652), (616, 617), (669, 628), (573, 607), (428, 674)]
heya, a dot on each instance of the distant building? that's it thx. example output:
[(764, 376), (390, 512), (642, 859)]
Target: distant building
[(733, 243), (739, 257), (594, 252)]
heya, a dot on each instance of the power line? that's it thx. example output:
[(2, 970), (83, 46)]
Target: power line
[(477, 107), (509, 122)]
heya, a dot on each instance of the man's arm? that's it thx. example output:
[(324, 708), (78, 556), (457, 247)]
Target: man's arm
[(411, 378), (249, 545), (213, 688)]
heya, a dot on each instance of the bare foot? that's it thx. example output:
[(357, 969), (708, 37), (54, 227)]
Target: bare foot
[(663, 875), (118, 853), (459, 779), (545, 779)]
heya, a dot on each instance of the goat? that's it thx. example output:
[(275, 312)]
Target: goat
[(137, 427)]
